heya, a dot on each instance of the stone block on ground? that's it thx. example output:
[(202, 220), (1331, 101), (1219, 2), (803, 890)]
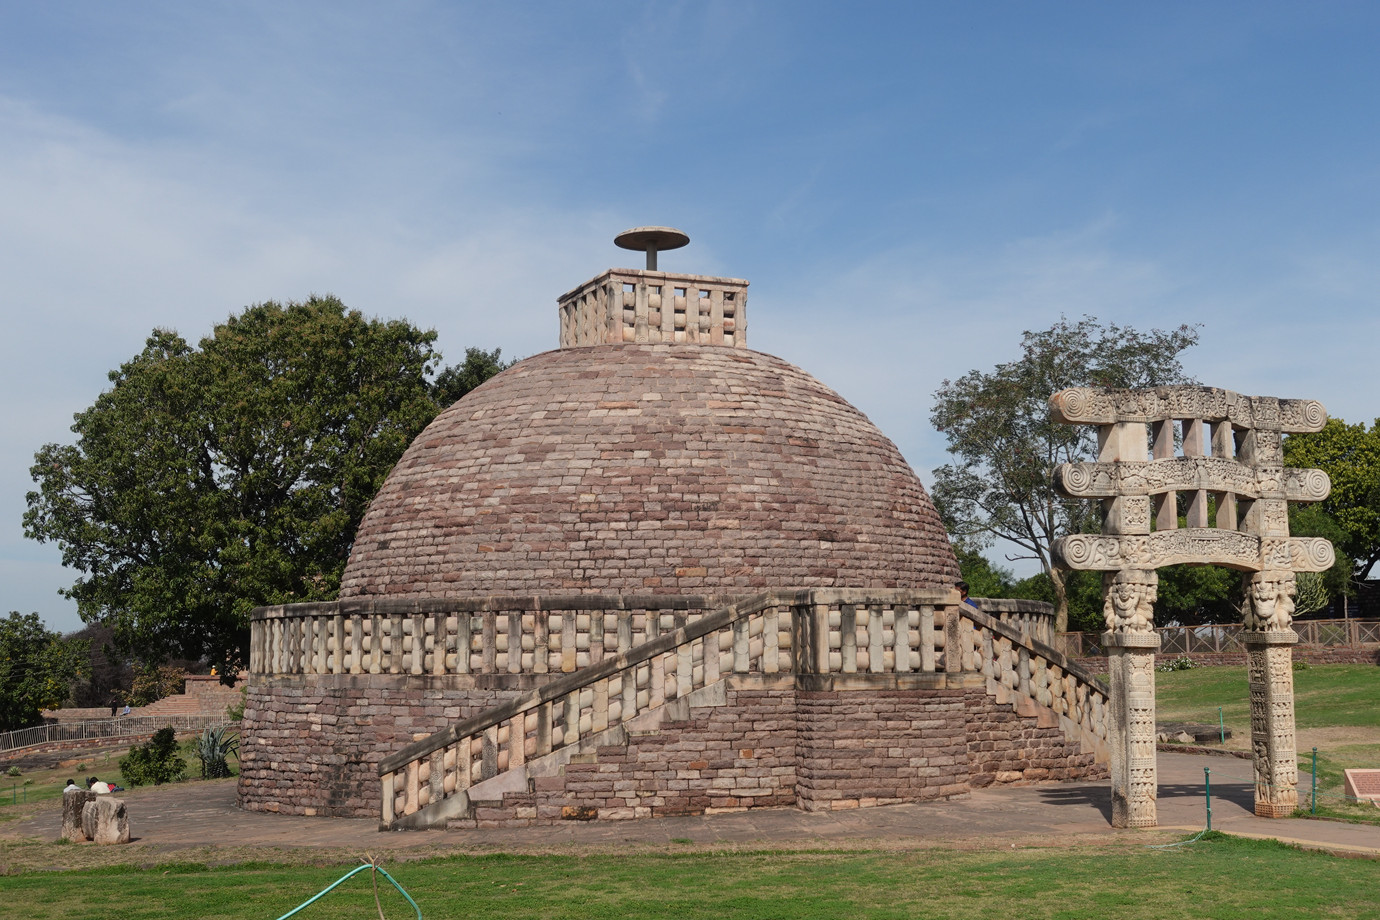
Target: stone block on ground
[(105, 820), (73, 802)]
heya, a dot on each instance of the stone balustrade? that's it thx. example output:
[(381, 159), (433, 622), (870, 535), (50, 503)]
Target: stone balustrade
[(1032, 669), (488, 636), (815, 635)]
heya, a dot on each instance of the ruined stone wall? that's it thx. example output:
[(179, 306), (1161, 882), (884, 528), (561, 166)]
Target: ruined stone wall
[(311, 745)]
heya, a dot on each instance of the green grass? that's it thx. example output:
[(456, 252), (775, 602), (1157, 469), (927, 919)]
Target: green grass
[(1325, 695), (1341, 699), (45, 783), (1215, 878)]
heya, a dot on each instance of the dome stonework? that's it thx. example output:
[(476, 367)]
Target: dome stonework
[(648, 468)]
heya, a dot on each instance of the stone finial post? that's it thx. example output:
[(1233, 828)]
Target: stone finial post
[(1237, 472)]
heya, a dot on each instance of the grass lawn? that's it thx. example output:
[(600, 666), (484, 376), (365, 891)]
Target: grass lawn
[(1336, 709), (1213, 878), (38, 785)]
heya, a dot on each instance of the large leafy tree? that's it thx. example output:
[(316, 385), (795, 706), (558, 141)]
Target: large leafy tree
[(1005, 445), (1350, 516), (209, 480), (37, 669)]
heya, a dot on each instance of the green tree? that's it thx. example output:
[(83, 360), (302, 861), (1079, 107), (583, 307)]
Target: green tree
[(37, 669), (1350, 455), (984, 579), (209, 480), (1191, 595), (1005, 445), (457, 380), (1084, 592)]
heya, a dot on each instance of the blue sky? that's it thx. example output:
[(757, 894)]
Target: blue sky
[(907, 186)]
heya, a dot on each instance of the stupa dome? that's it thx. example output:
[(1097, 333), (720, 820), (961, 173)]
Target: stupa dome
[(653, 463)]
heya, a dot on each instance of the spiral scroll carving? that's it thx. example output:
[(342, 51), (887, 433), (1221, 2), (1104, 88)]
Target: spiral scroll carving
[(1314, 415), (1316, 485), (1319, 554), (1078, 477), (1073, 404), (1077, 551)]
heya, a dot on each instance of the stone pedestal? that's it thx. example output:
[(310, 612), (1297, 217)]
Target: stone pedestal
[(1131, 662), (1270, 672)]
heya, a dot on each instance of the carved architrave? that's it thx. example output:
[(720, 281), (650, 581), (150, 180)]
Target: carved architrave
[(1088, 406), (1230, 548), (1215, 474)]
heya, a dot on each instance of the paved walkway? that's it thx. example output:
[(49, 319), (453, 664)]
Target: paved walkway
[(205, 815)]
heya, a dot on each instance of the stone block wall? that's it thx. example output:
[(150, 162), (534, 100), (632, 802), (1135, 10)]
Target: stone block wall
[(815, 749), (1019, 742), (881, 747), (722, 758), (825, 742), (314, 743)]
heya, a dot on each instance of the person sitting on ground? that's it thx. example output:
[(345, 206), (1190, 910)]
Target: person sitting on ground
[(70, 786), (98, 787), (963, 597)]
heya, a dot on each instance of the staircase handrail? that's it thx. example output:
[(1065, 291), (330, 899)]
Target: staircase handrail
[(579, 679), (436, 772)]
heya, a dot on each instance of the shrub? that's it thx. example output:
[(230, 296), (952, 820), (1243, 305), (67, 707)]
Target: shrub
[(212, 748), (156, 762), (235, 711), (1182, 663), (12, 771)]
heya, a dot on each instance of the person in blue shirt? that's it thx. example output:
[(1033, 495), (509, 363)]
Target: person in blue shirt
[(963, 595)]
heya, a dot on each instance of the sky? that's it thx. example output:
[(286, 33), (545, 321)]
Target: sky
[(908, 186)]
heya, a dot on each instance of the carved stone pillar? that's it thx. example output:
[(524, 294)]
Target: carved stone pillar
[(1131, 643), (1269, 642)]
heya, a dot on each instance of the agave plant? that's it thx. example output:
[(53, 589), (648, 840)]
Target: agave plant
[(216, 744)]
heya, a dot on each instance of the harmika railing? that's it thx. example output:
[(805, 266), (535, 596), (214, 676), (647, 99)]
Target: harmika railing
[(818, 632), (124, 727), (1226, 637)]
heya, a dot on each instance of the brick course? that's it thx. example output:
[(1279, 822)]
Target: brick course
[(816, 750), (648, 468), (315, 743)]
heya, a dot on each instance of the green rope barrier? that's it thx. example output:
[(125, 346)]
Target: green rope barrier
[(338, 882)]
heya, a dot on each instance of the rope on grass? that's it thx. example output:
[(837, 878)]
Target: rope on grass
[(371, 864), (1169, 846)]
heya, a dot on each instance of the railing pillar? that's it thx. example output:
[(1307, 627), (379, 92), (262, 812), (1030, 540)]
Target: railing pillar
[(1131, 730), (927, 660), (955, 641), (1270, 678)]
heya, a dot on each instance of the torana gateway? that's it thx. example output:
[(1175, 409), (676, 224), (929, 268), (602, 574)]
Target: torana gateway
[(652, 572)]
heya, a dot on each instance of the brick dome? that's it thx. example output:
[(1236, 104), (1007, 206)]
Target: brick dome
[(648, 469)]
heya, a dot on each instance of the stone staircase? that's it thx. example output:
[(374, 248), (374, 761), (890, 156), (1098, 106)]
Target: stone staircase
[(822, 699), (203, 696)]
